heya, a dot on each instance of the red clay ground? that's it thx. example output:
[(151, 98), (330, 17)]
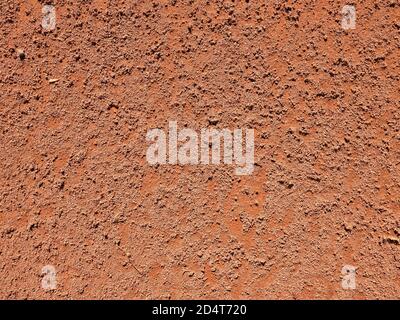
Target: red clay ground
[(76, 191)]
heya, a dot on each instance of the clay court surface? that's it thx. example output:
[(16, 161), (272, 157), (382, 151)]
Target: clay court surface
[(76, 190)]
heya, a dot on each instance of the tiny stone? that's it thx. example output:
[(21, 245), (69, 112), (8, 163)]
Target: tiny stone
[(21, 54)]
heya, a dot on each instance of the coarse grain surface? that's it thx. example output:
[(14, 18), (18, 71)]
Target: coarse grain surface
[(77, 193)]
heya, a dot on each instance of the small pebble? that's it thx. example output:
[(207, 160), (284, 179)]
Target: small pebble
[(21, 54)]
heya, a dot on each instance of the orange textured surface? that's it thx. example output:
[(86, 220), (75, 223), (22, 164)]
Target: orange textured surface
[(77, 193)]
